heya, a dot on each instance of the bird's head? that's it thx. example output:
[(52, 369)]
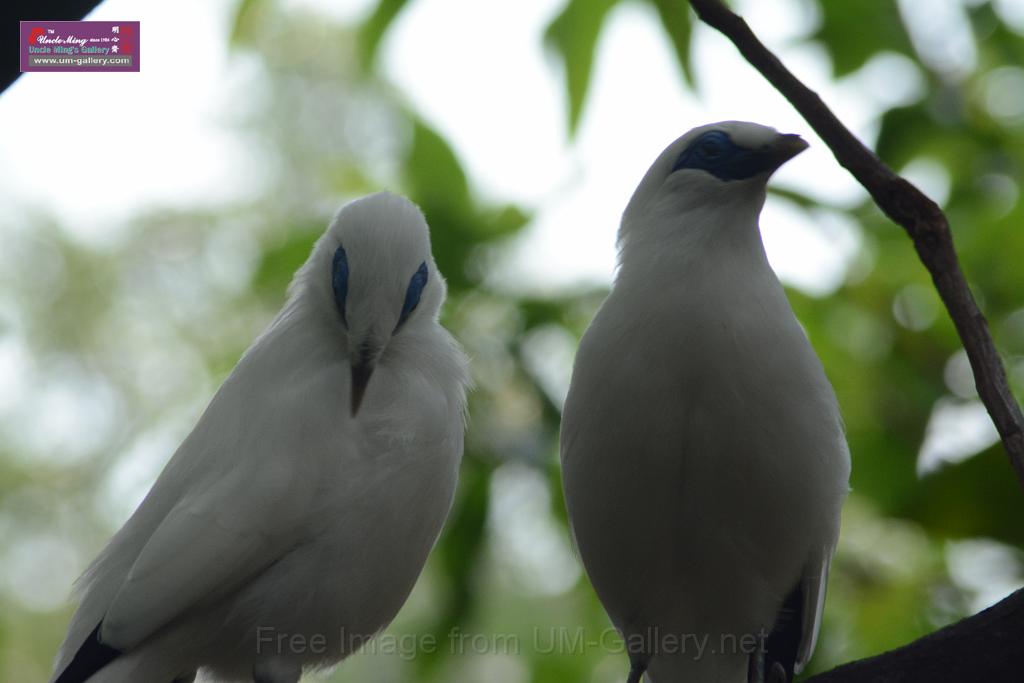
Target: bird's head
[(378, 279), (720, 164)]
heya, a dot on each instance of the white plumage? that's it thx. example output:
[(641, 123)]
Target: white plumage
[(703, 453), (291, 510)]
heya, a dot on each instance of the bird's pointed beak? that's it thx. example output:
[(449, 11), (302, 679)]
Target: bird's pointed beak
[(785, 147), (362, 370)]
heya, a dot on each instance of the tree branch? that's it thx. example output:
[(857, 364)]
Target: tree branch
[(923, 220), (985, 647)]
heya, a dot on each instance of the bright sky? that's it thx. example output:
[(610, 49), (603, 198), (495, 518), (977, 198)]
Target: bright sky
[(126, 141), (503, 111), (164, 135)]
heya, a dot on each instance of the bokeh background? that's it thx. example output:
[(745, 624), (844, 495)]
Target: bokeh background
[(149, 224)]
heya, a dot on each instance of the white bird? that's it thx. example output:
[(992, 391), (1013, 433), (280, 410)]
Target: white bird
[(291, 524), (703, 453)]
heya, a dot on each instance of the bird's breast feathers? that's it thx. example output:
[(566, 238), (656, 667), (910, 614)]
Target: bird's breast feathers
[(726, 391)]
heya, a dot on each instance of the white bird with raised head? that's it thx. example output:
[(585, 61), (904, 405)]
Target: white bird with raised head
[(703, 453), (291, 524)]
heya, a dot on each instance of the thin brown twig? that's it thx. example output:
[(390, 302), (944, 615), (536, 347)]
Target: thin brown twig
[(923, 220)]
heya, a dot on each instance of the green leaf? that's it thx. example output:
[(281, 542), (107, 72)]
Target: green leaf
[(373, 29), (904, 131), (573, 36), (996, 42), (975, 498), (249, 16), (853, 31), (461, 550), (436, 181), (280, 261), (434, 173), (802, 200), (677, 20)]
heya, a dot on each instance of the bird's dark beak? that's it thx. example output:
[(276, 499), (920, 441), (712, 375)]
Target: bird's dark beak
[(362, 370), (784, 148)]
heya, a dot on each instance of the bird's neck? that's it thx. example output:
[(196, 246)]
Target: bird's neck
[(700, 285), (661, 250)]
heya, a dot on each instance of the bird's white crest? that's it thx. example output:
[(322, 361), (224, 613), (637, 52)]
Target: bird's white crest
[(386, 238), (284, 514), (704, 461)]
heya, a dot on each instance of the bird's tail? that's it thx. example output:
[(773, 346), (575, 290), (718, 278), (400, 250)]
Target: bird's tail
[(95, 590), (157, 660)]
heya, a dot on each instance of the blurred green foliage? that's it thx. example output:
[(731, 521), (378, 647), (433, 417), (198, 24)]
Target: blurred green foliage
[(503, 565), (574, 33)]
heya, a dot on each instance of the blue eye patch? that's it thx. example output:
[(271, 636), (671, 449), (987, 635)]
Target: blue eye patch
[(716, 153), (413, 293)]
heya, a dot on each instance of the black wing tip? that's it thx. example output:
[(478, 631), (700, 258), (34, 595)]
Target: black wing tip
[(90, 658), (779, 650)]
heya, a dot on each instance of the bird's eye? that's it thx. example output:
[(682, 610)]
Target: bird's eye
[(709, 152), (710, 149), (339, 281), (412, 294)]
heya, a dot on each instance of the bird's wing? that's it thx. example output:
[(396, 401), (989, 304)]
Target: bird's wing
[(813, 585), (209, 544)]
